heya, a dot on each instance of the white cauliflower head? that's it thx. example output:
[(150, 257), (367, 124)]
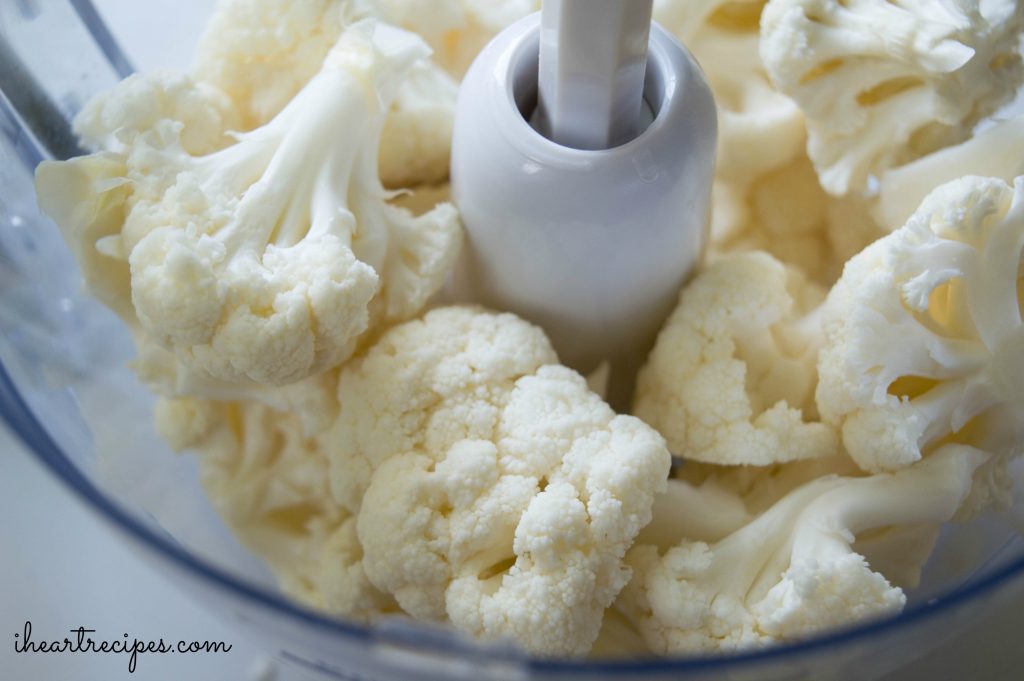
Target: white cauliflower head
[(264, 262), (792, 571), (415, 146), (313, 400), (731, 378), (112, 120), (759, 487), (924, 340), (785, 212), (997, 151), (766, 194), (481, 21), (268, 482), (258, 49), (454, 355), (262, 52), (883, 82), (500, 493), (88, 199), (688, 19), (758, 128)]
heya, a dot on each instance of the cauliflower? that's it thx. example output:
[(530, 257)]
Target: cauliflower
[(423, 199), (791, 571), (416, 143), (688, 19), (766, 194), (269, 484), (87, 198), (262, 52), (470, 25), (493, 489), (786, 213), (456, 29), (757, 487), (618, 640), (923, 336), (731, 378), (758, 129), (884, 82), (448, 468), (707, 512), (996, 152), (313, 400), (265, 261), (113, 120)]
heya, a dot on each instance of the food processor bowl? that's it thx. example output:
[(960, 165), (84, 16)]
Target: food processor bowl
[(66, 390)]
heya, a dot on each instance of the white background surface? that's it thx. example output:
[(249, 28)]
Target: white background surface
[(61, 567)]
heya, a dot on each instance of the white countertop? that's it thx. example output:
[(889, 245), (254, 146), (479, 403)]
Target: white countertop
[(62, 568)]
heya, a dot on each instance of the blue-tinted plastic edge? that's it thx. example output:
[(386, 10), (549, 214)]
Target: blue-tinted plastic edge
[(104, 40)]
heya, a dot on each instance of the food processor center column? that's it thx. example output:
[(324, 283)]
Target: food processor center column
[(582, 161)]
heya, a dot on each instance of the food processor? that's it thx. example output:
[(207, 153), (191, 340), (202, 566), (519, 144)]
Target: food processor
[(67, 392), (563, 105)]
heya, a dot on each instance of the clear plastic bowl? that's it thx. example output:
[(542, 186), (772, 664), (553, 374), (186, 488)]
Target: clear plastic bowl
[(66, 391)]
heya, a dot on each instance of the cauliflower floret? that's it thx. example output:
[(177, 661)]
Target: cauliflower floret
[(688, 19), (423, 199), (416, 143), (996, 152), (786, 213), (268, 482), (731, 378), (313, 400), (262, 52), (454, 355), (619, 640), (766, 194), (707, 511), (760, 487), (493, 489), (252, 263), (112, 120), (884, 82), (758, 128), (87, 198), (482, 20), (924, 340), (791, 572)]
